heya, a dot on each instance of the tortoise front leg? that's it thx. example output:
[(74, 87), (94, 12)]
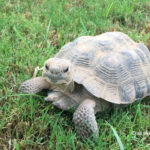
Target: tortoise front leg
[(60, 100), (85, 121), (34, 85), (53, 96)]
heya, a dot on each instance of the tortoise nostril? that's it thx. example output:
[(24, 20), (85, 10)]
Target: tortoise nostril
[(54, 71)]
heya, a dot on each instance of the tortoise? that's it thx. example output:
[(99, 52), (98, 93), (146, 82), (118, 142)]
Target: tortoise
[(92, 74)]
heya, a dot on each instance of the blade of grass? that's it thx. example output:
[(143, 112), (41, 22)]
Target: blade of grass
[(109, 9), (23, 40), (117, 136), (83, 25)]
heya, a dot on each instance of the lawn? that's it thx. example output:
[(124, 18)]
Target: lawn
[(31, 31)]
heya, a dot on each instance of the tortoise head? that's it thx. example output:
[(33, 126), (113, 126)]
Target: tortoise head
[(59, 73)]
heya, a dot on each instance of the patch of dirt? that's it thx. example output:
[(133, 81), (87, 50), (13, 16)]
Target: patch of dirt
[(147, 31), (147, 6), (148, 44), (116, 28), (53, 38), (28, 15)]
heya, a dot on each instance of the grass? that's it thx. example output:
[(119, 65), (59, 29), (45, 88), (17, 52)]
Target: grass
[(33, 31)]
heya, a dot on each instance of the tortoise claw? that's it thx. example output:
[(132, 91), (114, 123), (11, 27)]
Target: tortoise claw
[(53, 96)]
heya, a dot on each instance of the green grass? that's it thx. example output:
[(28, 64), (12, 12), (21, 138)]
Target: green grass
[(33, 31)]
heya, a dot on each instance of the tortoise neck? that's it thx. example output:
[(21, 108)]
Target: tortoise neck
[(65, 88), (70, 86)]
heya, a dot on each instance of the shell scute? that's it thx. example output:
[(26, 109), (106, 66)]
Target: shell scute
[(82, 58)]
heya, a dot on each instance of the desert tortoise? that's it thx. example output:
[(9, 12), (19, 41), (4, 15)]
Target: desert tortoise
[(91, 74)]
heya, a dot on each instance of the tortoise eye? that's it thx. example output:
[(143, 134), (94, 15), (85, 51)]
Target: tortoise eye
[(66, 70), (46, 66)]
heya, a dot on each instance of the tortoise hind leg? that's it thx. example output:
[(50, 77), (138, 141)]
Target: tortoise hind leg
[(34, 85), (85, 121)]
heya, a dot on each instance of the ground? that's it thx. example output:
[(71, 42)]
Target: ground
[(33, 31)]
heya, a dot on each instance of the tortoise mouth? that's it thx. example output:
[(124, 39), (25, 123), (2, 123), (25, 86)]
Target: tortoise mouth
[(55, 78)]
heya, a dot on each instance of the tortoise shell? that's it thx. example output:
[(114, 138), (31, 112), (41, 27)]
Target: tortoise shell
[(110, 66)]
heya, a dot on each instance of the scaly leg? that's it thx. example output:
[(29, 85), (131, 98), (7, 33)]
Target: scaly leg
[(34, 85), (60, 100), (84, 120)]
